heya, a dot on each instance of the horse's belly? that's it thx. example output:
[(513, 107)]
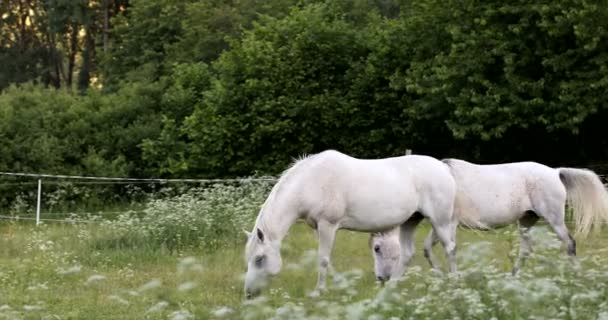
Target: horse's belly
[(494, 213), (376, 215), (499, 218)]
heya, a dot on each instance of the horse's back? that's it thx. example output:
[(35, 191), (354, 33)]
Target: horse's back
[(409, 168), (506, 173), (412, 174), (495, 194)]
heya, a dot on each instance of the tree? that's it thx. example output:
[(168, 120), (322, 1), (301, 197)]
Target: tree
[(518, 73), (42, 40), (23, 53), (279, 93)]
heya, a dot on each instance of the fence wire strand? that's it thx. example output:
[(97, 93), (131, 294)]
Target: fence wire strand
[(92, 180), (18, 218), (150, 180)]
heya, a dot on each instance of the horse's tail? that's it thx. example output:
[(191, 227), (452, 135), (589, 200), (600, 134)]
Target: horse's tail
[(587, 197)]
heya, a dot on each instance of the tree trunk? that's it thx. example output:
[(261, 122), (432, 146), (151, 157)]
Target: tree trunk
[(106, 24), (72, 56), (84, 77)]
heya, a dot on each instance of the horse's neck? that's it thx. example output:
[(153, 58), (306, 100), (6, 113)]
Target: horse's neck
[(277, 217), (280, 211)]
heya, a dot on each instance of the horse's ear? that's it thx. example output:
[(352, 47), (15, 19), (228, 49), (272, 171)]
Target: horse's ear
[(247, 233), (371, 239), (260, 235)]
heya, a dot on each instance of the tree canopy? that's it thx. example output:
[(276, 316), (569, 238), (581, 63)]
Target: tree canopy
[(215, 88)]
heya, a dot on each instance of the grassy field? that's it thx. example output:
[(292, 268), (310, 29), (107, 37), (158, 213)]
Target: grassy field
[(65, 271), (181, 257)]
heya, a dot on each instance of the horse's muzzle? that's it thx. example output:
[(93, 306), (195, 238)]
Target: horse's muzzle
[(250, 294), (383, 279)]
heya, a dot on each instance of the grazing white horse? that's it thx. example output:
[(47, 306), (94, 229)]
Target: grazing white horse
[(332, 191), (491, 196)]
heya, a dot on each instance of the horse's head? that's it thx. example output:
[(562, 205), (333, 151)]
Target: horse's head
[(386, 251), (263, 259)]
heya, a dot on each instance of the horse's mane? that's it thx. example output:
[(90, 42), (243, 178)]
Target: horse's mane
[(285, 175)]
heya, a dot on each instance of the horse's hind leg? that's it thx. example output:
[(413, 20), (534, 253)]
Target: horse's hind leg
[(562, 233), (554, 215), (429, 243), (406, 239), (327, 235), (446, 235), (445, 231), (525, 247)]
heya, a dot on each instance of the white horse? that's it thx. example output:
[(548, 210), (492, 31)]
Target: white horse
[(491, 196), (332, 191)]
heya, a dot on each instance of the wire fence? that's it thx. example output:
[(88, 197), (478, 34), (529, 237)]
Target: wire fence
[(76, 217), (39, 220), (149, 180)]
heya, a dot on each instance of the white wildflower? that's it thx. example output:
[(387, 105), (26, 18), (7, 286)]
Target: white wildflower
[(39, 286), (28, 307), (181, 315), (152, 284), (158, 307), (94, 278), (222, 312), (133, 293), (188, 264), (186, 286), (70, 270), (118, 299)]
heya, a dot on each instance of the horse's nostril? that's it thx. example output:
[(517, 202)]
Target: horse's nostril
[(250, 294)]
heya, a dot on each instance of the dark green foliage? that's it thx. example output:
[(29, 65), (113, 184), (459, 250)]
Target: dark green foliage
[(224, 88), (167, 151), (141, 37), (278, 93)]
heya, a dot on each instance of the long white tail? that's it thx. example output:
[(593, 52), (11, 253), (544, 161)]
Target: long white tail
[(587, 197)]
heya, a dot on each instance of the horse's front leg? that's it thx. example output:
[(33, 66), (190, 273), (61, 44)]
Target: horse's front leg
[(406, 238), (327, 235), (525, 246)]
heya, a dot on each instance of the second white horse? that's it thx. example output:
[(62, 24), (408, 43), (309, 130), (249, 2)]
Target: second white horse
[(491, 196)]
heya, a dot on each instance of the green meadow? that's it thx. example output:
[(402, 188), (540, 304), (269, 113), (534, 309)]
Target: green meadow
[(183, 259)]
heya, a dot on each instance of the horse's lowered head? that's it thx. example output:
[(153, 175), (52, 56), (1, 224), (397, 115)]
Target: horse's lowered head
[(263, 259), (386, 251)]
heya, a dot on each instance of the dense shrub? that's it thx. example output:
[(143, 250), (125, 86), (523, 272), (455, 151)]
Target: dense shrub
[(203, 218)]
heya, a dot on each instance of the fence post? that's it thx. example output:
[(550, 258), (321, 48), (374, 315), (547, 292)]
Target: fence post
[(38, 201)]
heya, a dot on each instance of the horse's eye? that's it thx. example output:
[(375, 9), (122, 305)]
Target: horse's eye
[(259, 261), (377, 249)]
